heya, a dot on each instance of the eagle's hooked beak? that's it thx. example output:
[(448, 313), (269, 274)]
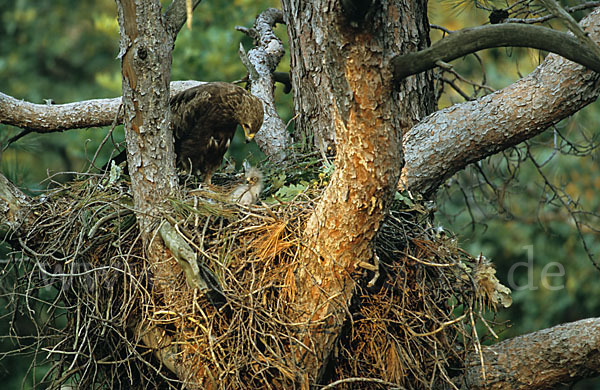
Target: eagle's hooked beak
[(249, 136)]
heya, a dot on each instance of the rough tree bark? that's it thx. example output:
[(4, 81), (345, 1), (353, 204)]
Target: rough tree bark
[(434, 149), (145, 55), (147, 39), (448, 140), (546, 354), (343, 84), (261, 62)]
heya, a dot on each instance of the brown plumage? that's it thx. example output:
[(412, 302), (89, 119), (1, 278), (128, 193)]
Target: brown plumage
[(204, 119)]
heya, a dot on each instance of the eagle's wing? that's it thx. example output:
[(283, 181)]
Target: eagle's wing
[(211, 104), (204, 119)]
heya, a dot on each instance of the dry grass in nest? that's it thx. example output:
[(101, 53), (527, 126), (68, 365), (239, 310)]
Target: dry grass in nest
[(85, 271)]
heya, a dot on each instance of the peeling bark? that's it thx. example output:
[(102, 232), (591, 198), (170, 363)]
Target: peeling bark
[(273, 138), (342, 82), (146, 46), (342, 85), (445, 142), (435, 149), (146, 68), (539, 360)]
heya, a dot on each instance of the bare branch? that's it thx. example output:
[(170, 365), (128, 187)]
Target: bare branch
[(572, 25), (176, 15), (45, 118), (446, 141), (48, 118), (471, 40), (261, 61), (539, 360), (545, 18)]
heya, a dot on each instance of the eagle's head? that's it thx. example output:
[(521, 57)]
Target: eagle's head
[(250, 115), (254, 178)]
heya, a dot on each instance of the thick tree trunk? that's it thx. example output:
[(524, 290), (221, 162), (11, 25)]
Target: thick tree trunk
[(146, 44), (145, 54), (343, 86), (318, 34), (343, 90)]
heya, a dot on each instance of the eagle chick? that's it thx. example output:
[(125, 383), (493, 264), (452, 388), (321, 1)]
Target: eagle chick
[(247, 193)]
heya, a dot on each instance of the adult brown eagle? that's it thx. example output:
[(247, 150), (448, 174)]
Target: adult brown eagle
[(204, 119)]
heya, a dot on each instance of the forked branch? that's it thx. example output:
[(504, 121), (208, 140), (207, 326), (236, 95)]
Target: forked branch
[(449, 139), (474, 39), (261, 62)]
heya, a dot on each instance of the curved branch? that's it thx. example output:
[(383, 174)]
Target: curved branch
[(474, 39), (261, 61), (48, 118), (176, 15), (539, 360), (446, 141)]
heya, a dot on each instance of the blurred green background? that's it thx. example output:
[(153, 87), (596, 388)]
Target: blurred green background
[(66, 50)]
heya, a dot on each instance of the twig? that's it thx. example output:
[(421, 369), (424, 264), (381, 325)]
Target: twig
[(572, 25), (333, 385), (108, 135), (470, 40)]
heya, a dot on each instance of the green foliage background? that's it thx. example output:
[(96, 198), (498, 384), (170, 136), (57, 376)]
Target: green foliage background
[(66, 50), (516, 225)]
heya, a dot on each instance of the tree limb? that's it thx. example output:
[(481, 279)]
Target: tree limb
[(446, 141), (539, 360), (470, 40), (176, 16), (571, 23), (261, 62), (45, 118), (48, 118)]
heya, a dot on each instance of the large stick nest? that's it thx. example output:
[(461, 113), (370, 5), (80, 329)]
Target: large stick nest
[(105, 318)]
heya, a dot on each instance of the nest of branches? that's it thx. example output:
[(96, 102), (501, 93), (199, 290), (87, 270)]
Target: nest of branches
[(106, 318)]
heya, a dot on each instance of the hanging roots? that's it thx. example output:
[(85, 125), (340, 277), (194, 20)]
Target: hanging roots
[(104, 318)]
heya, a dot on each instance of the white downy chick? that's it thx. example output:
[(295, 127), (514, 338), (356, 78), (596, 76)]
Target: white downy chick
[(248, 192)]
